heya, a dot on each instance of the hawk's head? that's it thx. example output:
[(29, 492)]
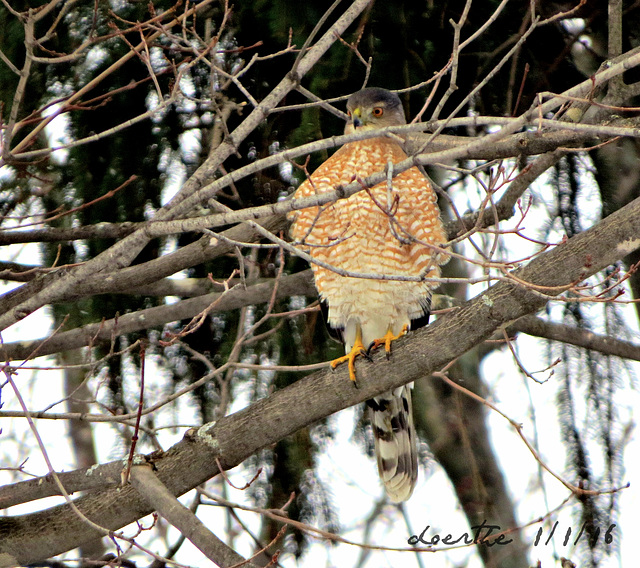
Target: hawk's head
[(373, 108)]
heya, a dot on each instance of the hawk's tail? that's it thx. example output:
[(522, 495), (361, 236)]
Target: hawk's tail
[(395, 442)]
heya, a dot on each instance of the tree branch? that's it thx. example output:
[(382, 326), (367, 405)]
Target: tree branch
[(165, 503), (126, 279), (532, 325), (103, 332)]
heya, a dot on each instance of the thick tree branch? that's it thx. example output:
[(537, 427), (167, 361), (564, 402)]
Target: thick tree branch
[(30, 538), (160, 498), (532, 325), (126, 279), (104, 332), (55, 234)]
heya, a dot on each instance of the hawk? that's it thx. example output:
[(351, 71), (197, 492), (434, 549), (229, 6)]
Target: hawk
[(391, 229)]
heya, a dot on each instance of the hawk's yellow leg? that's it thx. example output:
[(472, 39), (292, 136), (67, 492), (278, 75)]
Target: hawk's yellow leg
[(357, 349), (387, 339)]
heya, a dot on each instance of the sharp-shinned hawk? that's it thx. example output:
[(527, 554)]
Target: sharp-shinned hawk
[(390, 229)]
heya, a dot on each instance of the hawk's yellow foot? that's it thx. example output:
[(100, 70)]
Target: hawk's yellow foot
[(387, 339), (357, 349)]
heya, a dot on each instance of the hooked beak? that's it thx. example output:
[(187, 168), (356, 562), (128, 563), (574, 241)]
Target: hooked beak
[(356, 118)]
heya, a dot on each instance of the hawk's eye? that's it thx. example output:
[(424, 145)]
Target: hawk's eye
[(378, 111)]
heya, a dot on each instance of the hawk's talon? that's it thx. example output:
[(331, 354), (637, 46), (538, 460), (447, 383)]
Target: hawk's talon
[(386, 340), (357, 349)]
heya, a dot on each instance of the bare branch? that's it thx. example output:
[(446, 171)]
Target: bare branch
[(103, 332), (162, 500), (536, 326)]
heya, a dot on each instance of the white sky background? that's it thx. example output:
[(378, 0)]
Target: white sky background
[(345, 468)]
